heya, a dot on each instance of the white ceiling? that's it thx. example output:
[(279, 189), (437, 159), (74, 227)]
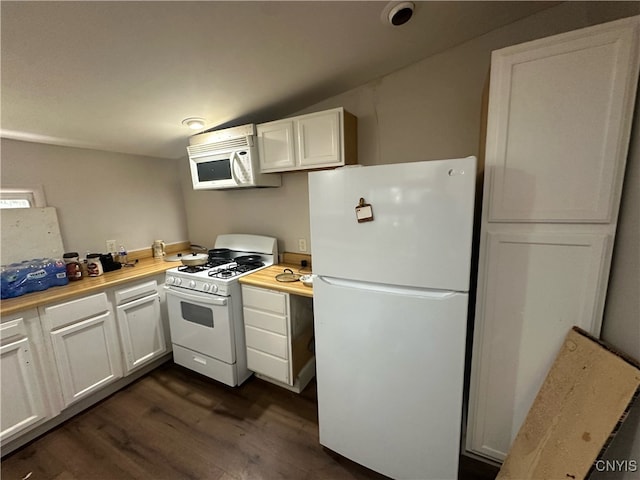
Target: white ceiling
[(121, 76)]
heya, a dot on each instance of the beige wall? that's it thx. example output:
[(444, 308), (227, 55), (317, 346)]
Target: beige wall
[(101, 195), (426, 111)]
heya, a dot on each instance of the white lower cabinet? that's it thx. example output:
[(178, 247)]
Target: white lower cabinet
[(72, 354), (542, 284), (278, 332), (25, 397), (140, 324), (85, 345)]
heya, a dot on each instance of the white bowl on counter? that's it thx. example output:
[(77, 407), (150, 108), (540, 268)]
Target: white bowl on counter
[(307, 280)]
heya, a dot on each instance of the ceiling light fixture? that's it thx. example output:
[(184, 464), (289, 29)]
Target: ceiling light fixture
[(194, 123)]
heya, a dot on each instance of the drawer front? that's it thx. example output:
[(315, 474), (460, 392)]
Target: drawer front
[(205, 365), (69, 312), (262, 299), (14, 328), (267, 342), (268, 365), (128, 294), (265, 321)]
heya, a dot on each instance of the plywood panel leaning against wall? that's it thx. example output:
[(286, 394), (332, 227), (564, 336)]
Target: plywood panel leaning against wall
[(581, 405)]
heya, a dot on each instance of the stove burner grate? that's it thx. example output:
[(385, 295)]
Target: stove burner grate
[(234, 270), (247, 267), (217, 261), (192, 268)]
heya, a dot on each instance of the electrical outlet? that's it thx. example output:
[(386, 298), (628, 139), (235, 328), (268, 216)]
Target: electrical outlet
[(111, 246), (302, 244)]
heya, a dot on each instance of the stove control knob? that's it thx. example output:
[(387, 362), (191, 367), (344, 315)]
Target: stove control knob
[(169, 280), (177, 281), (214, 288), (192, 284)]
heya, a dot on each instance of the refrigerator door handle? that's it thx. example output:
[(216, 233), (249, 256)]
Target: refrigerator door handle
[(390, 289)]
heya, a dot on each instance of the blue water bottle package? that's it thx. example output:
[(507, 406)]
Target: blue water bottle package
[(31, 276)]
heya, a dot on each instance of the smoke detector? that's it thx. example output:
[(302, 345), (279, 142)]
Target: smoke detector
[(397, 13)]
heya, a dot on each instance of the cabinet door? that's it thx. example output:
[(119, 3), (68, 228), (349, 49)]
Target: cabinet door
[(558, 128), (141, 331), (318, 140), (86, 355), (22, 400), (276, 146), (541, 285)]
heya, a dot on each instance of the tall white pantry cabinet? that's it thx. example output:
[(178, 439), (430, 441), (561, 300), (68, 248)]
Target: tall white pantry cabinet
[(559, 120)]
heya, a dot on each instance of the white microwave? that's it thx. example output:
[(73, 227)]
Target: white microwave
[(226, 159)]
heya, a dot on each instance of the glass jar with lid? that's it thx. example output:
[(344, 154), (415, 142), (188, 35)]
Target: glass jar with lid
[(72, 262), (94, 265)]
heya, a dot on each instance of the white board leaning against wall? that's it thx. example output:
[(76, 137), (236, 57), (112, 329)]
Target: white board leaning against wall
[(29, 233)]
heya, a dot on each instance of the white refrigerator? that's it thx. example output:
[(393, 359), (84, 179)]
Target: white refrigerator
[(391, 248)]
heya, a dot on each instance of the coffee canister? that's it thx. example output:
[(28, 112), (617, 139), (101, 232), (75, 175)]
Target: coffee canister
[(94, 265), (72, 262)]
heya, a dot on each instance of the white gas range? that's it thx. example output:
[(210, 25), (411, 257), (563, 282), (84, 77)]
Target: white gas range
[(205, 307)]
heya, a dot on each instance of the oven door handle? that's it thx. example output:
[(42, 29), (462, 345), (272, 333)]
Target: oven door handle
[(208, 299)]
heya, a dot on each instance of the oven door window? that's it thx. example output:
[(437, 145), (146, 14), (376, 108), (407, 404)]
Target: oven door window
[(202, 323), (197, 314), (213, 170)]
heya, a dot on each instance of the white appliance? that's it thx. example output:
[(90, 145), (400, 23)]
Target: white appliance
[(227, 159), (205, 307), (391, 249)]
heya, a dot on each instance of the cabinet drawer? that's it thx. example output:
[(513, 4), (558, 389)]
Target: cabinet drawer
[(205, 365), (68, 312), (262, 299), (268, 365), (138, 291), (267, 342), (265, 321), (14, 328)]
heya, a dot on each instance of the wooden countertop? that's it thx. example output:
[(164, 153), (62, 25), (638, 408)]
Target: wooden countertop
[(266, 278), (145, 267)]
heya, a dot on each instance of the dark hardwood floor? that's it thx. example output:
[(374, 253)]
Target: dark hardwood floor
[(176, 424)]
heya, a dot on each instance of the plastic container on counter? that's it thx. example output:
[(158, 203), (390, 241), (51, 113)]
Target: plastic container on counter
[(94, 265), (31, 276), (74, 270)]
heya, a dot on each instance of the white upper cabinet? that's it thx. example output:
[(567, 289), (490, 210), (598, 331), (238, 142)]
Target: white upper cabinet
[(318, 140), (559, 116), (276, 145), (558, 127)]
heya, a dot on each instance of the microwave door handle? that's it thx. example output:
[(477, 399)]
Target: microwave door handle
[(234, 160)]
